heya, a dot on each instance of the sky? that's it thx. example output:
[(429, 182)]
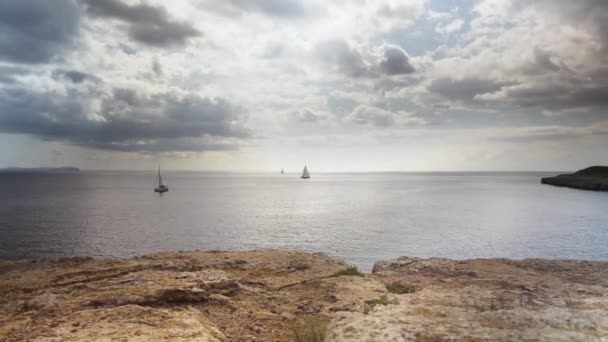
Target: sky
[(343, 85)]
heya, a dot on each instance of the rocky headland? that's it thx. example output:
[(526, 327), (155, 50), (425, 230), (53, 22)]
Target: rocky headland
[(271, 295), (592, 178)]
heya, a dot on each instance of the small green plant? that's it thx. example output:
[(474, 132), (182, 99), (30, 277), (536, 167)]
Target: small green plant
[(349, 271), (380, 301), (399, 288), (313, 329)]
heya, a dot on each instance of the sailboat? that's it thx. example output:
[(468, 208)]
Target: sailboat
[(305, 173), (282, 172), (160, 188)]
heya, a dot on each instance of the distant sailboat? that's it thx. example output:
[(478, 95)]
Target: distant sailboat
[(160, 188), (305, 173), (282, 172)]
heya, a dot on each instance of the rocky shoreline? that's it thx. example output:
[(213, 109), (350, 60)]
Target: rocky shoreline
[(594, 178), (272, 295)]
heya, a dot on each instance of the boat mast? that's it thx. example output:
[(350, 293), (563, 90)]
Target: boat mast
[(160, 180)]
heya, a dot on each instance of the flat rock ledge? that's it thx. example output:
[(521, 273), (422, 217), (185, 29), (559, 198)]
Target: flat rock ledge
[(266, 295)]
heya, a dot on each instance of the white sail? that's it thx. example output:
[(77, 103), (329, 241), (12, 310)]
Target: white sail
[(305, 173), (161, 187)]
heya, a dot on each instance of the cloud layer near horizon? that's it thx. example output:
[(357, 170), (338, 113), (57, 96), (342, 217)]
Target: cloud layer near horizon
[(185, 77)]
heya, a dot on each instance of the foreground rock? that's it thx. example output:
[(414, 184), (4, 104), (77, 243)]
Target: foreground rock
[(593, 178), (493, 299), (264, 295)]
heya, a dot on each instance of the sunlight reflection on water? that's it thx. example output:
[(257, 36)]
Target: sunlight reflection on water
[(361, 218)]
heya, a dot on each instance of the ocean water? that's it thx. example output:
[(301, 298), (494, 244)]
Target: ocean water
[(359, 217)]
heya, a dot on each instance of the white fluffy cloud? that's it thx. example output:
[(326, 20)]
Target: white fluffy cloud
[(451, 27)]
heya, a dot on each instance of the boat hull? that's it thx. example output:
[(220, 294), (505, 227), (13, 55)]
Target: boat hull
[(161, 190)]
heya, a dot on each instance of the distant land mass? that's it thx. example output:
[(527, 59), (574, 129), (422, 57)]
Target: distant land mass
[(593, 178), (64, 169)]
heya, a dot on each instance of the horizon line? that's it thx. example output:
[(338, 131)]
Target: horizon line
[(323, 171), (25, 168)]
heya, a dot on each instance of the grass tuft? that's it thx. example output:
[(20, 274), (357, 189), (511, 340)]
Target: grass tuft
[(349, 271), (399, 288), (313, 329), (380, 301)]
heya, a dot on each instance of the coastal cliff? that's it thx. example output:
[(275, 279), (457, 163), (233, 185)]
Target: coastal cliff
[(592, 178), (274, 295)]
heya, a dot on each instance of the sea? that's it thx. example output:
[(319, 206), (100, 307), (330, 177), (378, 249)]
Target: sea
[(357, 217)]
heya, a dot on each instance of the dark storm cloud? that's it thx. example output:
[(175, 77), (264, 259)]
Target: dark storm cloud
[(351, 61), (465, 89), (147, 24), (125, 121), (36, 31), (74, 76)]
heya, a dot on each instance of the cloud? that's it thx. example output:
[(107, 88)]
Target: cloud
[(74, 76), (339, 68), (564, 70), (9, 73), (551, 96), (438, 15), (343, 57), (591, 13), (308, 116), (364, 115), (453, 26), (378, 117), (274, 8), (391, 15), (395, 61), (543, 62), (146, 24), (464, 89), (554, 133), (157, 67), (364, 61), (516, 55), (127, 49), (123, 95), (125, 120), (37, 31)]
